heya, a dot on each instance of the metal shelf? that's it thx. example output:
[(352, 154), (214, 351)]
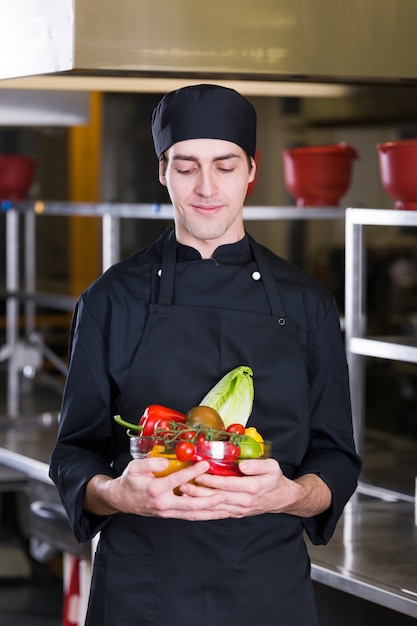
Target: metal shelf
[(156, 211), (380, 217), (395, 348)]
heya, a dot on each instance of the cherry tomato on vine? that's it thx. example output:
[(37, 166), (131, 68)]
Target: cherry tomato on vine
[(185, 451), (163, 424), (236, 429), (231, 450), (187, 435), (162, 430), (144, 445)]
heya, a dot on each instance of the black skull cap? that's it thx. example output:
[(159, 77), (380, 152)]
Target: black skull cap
[(204, 112)]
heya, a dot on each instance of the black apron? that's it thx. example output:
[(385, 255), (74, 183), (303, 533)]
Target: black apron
[(256, 570)]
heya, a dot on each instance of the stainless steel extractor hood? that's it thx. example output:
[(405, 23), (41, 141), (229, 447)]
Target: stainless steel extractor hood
[(266, 40), (366, 39)]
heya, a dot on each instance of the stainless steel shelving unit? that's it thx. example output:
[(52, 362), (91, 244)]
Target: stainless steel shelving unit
[(358, 343), (373, 554)]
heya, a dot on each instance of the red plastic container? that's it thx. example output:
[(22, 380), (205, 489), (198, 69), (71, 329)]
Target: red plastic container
[(318, 175), (16, 175), (398, 167)]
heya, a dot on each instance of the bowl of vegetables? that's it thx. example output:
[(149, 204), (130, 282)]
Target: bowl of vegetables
[(203, 433), (185, 443)]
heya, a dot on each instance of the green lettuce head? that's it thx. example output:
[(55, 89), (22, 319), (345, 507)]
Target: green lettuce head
[(232, 396)]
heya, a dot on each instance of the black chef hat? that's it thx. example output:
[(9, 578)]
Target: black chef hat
[(204, 112)]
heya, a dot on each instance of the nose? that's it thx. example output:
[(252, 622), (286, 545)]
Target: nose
[(205, 183)]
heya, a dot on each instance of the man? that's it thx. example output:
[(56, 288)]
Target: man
[(163, 327)]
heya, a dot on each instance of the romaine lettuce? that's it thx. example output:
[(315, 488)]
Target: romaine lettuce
[(232, 396)]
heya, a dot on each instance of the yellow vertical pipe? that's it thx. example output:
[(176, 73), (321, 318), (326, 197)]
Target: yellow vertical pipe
[(84, 146)]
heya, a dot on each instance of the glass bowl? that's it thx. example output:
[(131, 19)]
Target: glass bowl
[(224, 456), (142, 447)]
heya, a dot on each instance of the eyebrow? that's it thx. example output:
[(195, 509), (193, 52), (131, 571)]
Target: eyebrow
[(223, 157)]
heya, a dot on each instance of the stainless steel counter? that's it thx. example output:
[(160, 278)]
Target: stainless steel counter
[(373, 554)]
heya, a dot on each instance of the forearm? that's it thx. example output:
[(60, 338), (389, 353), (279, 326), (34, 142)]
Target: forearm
[(97, 498), (307, 496)]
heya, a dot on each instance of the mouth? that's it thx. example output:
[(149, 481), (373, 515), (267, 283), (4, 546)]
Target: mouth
[(202, 208)]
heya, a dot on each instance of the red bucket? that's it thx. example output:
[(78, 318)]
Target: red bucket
[(318, 175), (398, 168), (16, 175)]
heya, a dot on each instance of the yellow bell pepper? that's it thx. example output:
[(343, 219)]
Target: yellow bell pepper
[(252, 432)]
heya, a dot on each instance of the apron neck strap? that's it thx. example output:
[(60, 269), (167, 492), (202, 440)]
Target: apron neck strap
[(274, 299), (169, 257)]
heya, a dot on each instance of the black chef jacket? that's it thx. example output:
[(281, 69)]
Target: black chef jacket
[(107, 328)]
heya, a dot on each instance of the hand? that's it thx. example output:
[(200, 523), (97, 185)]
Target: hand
[(255, 493), (137, 491), (265, 489)]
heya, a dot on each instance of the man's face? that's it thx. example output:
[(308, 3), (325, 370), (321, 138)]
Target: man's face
[(207, 180)]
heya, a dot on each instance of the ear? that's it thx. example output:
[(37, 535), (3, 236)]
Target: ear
[(252, 172), (162, 171)]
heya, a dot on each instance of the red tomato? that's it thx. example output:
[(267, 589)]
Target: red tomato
[(219, 450), (163, 424), (187, 435), (162, 430), (185, 451), (231, 450), (144, 445), (236, 429)]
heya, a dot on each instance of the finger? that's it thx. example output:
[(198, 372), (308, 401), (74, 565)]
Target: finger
[(187, 507), (197, 516), (172, 482), (239, 509), (148, 465), (253, 467), (186, 475), (224, 483), (194, 489)]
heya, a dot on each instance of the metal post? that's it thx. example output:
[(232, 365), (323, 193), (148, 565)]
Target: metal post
[(12, 308), (30, 272), (110, 241), (355, 321)]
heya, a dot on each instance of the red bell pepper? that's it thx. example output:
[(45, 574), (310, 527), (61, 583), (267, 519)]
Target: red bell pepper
[(155, 412), (220, 468)]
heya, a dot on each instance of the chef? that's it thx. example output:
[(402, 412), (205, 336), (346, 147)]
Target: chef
[(163, 327)]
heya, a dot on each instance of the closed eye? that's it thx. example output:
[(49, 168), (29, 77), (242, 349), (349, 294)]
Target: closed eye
[(186, 171)]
